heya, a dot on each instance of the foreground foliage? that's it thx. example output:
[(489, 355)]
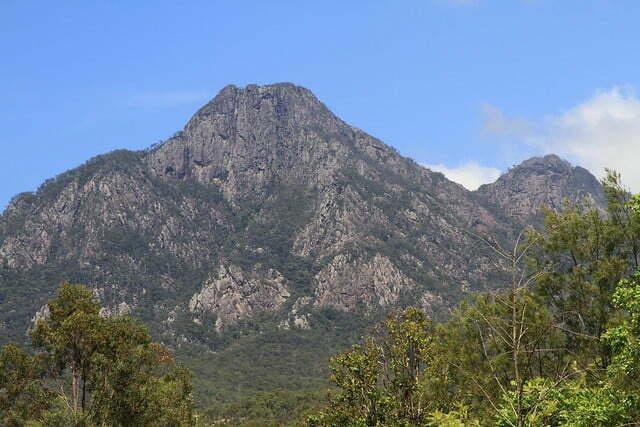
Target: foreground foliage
[(380, 379), (560, 346), (92, 370)]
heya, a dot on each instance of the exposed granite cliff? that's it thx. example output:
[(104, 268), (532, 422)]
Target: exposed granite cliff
[(233, 294)]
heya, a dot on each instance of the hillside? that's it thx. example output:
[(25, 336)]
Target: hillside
[(266, 213)]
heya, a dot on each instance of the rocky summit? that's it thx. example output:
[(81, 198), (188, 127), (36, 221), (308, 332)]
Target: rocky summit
[(265, 208)]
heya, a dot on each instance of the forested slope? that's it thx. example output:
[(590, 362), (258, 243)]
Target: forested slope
[(266, 216)]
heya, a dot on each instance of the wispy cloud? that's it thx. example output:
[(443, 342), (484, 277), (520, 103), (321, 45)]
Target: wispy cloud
[(496, 123), (603, 131), (169, 99), (470, 175)]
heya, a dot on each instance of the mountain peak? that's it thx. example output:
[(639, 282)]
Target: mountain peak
[(281, 87), (547, 162), (548, 180), (282, 94), (250, 140)]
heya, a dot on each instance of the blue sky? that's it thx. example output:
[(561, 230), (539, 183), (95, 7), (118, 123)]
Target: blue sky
[(469, 87)]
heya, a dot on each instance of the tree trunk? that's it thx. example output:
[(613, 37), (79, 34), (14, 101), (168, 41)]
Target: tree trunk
[(84, 391), (74, 388)]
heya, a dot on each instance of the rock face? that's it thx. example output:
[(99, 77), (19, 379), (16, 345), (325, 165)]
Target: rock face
[(548, 181), (249, 141), (233, 294), (265, 203), (346, 283)]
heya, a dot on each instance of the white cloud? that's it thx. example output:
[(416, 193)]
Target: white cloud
[(601, 132), (470, 175)]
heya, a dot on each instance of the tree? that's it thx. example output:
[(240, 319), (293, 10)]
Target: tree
[(590, 254), (489, 361), (143, 388), (70, 336), (380, 380), (570, 403), (22, 393), (624, 341), (583, 252), (503, 339), (118, 375)]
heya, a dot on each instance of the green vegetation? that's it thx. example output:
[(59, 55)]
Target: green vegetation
[(273, 408), (558, 346), (380, 380), (90, 370), (273, 375)]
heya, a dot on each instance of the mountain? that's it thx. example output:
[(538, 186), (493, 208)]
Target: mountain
[(548, 181), (265, 213)]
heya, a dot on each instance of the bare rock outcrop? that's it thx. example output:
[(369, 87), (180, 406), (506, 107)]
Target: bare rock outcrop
[(233, 294), (349, 281)]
